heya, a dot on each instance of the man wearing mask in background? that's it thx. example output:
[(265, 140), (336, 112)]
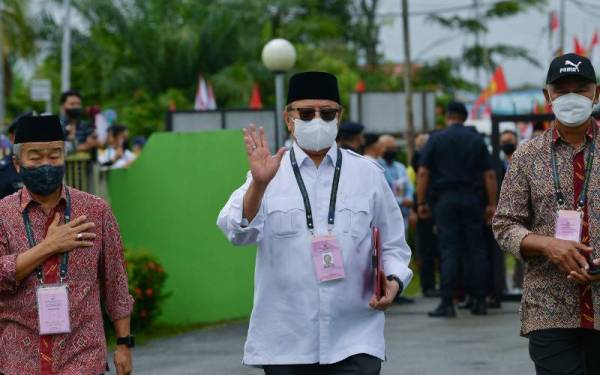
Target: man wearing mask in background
[(351, 137), (308, 208), (396, 176), (80, 135), (549, 217), (60, 256), (453, 163)]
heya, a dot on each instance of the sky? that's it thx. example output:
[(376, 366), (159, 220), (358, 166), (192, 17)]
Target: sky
[(528, 30)]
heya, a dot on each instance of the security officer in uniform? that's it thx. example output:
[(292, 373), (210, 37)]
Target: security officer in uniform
[(350, 136), (311, 210), (10, 182), (453, 163)]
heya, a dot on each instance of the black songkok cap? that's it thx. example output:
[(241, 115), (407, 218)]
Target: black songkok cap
[(570, 65), (313, 85), (39, 129)]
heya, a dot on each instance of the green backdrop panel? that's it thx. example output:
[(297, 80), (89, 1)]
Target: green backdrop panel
[(167, 204)]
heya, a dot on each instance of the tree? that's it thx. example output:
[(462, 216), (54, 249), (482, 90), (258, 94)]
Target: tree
[(18, 38), (478, 56)]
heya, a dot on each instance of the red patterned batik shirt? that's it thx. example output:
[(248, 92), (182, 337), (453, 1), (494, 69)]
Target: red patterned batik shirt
[(94, 274)]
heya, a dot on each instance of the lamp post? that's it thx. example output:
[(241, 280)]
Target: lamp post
[(279, 56)]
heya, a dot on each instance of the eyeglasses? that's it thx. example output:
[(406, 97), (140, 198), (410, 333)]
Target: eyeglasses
[(307, 114)]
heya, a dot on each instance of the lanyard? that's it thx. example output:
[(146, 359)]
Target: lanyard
[(31, 239), (560, 198), (334, 189)]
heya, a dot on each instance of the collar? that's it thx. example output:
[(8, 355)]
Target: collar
[(27, 200), (589, 133), (456, 125), (301, 156)]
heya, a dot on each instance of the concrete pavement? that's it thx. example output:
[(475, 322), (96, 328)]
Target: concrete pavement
[(417, 345)]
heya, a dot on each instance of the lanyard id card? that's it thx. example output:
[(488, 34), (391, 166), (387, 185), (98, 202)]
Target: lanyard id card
[(53, 309), (325, 250), (568, 225), (52, 300), (327, 258)]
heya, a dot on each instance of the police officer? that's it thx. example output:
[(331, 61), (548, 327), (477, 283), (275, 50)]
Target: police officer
[(453, 163), (311, 210), (350, 137), (10, 182)]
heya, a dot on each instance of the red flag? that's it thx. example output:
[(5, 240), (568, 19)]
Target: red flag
[(555, 34), (594, 50), (255, 100), (497, 86), (360, 86), (579, 49)]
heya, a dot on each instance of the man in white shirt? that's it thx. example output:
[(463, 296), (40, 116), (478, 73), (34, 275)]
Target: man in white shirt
[(311, 211)]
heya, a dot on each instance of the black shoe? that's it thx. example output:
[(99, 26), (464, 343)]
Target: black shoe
[(401, 300), (467, 305), (444, 310), (431, 293), (494, 303), (479, 307)]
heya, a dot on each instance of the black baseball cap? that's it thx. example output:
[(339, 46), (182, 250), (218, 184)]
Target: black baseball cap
[(570, 65), (458, 108)]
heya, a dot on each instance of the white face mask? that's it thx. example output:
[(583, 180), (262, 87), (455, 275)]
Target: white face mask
[(572, 109), (316, 134)]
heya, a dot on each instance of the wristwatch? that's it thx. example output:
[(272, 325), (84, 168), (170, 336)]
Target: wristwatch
[(395, 278), (128, 341)]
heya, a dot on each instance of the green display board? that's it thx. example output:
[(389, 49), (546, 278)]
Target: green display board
[(167, 204)]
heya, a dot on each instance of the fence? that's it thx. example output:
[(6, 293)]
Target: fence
[(83, 173)]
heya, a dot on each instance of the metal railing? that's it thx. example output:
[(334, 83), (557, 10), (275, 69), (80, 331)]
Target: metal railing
[(83, 173)]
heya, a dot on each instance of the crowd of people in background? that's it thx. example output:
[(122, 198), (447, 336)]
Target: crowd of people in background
[(388, 152)]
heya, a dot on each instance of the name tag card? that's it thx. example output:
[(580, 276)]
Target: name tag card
[(53, 310), (327, 258), (569, 225)]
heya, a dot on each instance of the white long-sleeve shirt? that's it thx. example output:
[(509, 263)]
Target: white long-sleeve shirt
[(296, 319)]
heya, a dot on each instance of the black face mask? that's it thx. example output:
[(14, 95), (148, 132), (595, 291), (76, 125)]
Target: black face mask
[(509, 148), (43, 180), (390, 156), (74, 113)]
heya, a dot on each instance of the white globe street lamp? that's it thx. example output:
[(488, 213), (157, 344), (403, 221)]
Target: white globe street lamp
[(279, 56)]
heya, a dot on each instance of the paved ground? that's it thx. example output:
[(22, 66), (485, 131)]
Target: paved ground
[(417, 345)]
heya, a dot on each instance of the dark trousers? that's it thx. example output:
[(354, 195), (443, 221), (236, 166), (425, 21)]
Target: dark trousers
[(360, 364), (497, 273), (565, 351), (427, 253), (459, 221)]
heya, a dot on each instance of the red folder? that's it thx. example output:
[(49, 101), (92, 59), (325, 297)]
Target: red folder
[(379, 280)]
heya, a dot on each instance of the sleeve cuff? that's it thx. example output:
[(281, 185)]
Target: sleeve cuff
[(514, 245), (238, 223), (8, 273), (122, 309), (405, 274)]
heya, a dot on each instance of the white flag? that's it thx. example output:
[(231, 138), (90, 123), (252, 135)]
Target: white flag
[(205, 98)]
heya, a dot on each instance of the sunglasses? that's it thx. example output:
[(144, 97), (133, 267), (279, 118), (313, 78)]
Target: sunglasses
[(307, 114)]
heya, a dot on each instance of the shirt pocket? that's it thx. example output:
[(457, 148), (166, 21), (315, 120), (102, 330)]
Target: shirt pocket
[(353, 218), (285, 217)]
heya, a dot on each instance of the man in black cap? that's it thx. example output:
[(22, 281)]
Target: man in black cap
[(10, 182), (548, 217), (311, 210), (452, 164), (60, 256), (350, 136)]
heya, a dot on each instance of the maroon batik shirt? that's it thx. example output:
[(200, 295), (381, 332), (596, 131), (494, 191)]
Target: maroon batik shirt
[(94, 274)]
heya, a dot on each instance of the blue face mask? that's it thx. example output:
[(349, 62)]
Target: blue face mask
[(42, 180)]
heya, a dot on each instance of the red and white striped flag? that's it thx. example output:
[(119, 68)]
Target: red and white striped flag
[(594, 51), (555, 46), (578, 47), (205, 98)]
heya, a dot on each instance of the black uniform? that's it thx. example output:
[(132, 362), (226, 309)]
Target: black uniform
[(10, 181), (456, 158)]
